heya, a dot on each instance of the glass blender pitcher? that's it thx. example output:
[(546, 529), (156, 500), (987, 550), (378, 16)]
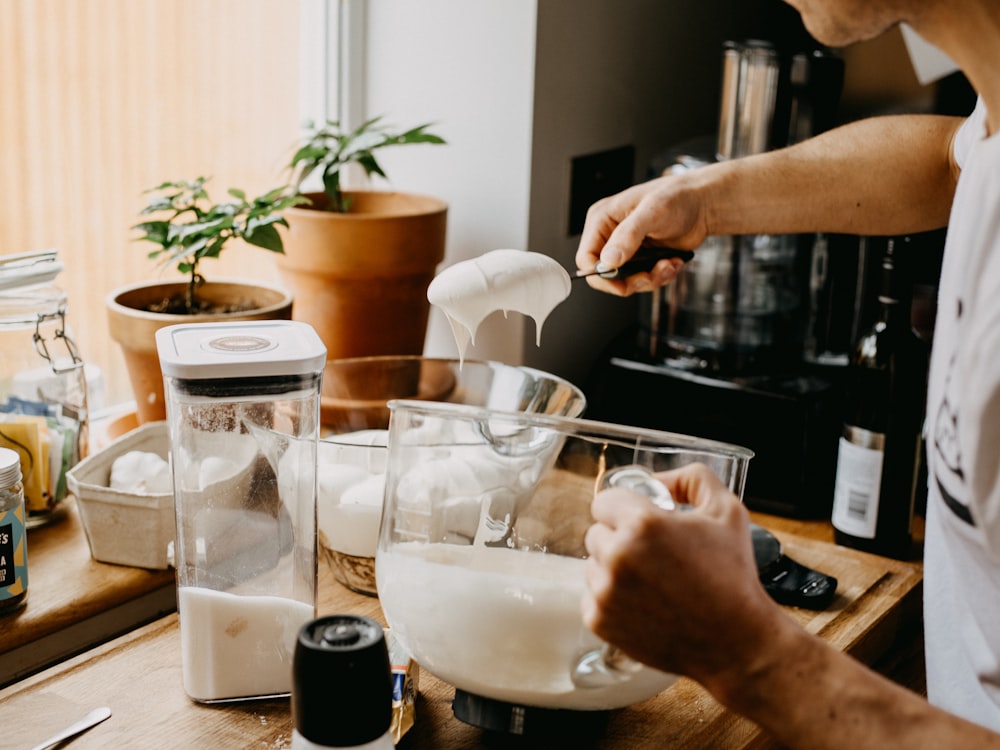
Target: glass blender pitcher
[(480, 558)]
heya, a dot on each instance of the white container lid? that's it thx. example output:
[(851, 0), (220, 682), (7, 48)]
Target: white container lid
[(10, 467), (242, 349), (22, 270)]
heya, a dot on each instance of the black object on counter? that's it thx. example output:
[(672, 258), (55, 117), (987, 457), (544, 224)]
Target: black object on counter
[(341, 682), (786, 580), (528, 721)]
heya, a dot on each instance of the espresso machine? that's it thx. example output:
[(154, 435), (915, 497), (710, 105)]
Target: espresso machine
[(749, 344)]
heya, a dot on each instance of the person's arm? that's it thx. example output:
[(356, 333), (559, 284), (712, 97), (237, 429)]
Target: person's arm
[(679, 592), (884, 175)]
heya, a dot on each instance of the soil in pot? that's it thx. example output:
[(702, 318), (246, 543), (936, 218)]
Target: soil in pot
[(133, 321)]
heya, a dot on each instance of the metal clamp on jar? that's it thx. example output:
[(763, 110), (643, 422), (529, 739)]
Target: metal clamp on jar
[(43, 387)]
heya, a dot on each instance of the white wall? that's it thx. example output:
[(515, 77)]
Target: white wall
[(468, 66), (520, 87)]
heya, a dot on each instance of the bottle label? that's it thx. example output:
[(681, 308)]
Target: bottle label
[(13, 554), (859, 476)]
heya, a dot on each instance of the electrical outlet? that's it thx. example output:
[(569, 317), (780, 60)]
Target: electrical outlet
[(596, 176)]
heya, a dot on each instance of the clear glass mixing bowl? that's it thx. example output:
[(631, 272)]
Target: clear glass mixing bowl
[(480, 556)]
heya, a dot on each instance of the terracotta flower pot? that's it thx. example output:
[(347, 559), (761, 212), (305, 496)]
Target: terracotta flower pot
[(134, 329), (360, 278)]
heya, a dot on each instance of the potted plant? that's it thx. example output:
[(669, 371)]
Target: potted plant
[(187, 228), (358, 262)]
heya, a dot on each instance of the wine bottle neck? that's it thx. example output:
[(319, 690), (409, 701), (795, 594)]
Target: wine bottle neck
[(895, 312), (896, 297)]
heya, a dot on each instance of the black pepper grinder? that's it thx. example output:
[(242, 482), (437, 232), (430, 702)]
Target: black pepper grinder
[(341, 685)]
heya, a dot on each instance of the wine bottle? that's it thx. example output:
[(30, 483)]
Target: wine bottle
[(878, 462)]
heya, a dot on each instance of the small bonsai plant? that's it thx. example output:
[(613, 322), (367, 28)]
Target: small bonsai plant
[(330, 148), (190, 228)]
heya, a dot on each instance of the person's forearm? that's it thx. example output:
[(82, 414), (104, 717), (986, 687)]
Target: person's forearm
[(885, 175), (809, 695)]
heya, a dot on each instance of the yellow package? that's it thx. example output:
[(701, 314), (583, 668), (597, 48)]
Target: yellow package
[(45, 443), (28, 436), (405, 683)]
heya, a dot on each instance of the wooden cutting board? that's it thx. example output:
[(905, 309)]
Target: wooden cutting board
[(875, 596), (139, 677)]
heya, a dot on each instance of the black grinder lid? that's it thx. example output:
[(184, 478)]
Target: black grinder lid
[(341, 681)]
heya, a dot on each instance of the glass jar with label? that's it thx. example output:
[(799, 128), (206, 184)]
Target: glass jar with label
[(43, 388), (13, 540)]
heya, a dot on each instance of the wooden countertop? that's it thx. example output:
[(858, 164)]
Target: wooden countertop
[(74, 601), (875, 617)]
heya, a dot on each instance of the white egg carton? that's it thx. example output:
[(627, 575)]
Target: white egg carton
[(125, 528)]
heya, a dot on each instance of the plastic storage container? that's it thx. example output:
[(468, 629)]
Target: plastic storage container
[(243, 413)]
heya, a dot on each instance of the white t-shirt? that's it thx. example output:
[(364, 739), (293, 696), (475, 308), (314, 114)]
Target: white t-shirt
[(962, 546)]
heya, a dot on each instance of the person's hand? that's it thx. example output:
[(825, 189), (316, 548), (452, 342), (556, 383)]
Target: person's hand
[(659, 212), (678, 591)]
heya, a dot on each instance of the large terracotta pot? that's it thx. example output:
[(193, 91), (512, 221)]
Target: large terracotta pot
[(134, 329), (360, 278)]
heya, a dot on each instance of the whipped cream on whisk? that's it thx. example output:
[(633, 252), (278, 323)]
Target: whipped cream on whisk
[(509, 280)]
